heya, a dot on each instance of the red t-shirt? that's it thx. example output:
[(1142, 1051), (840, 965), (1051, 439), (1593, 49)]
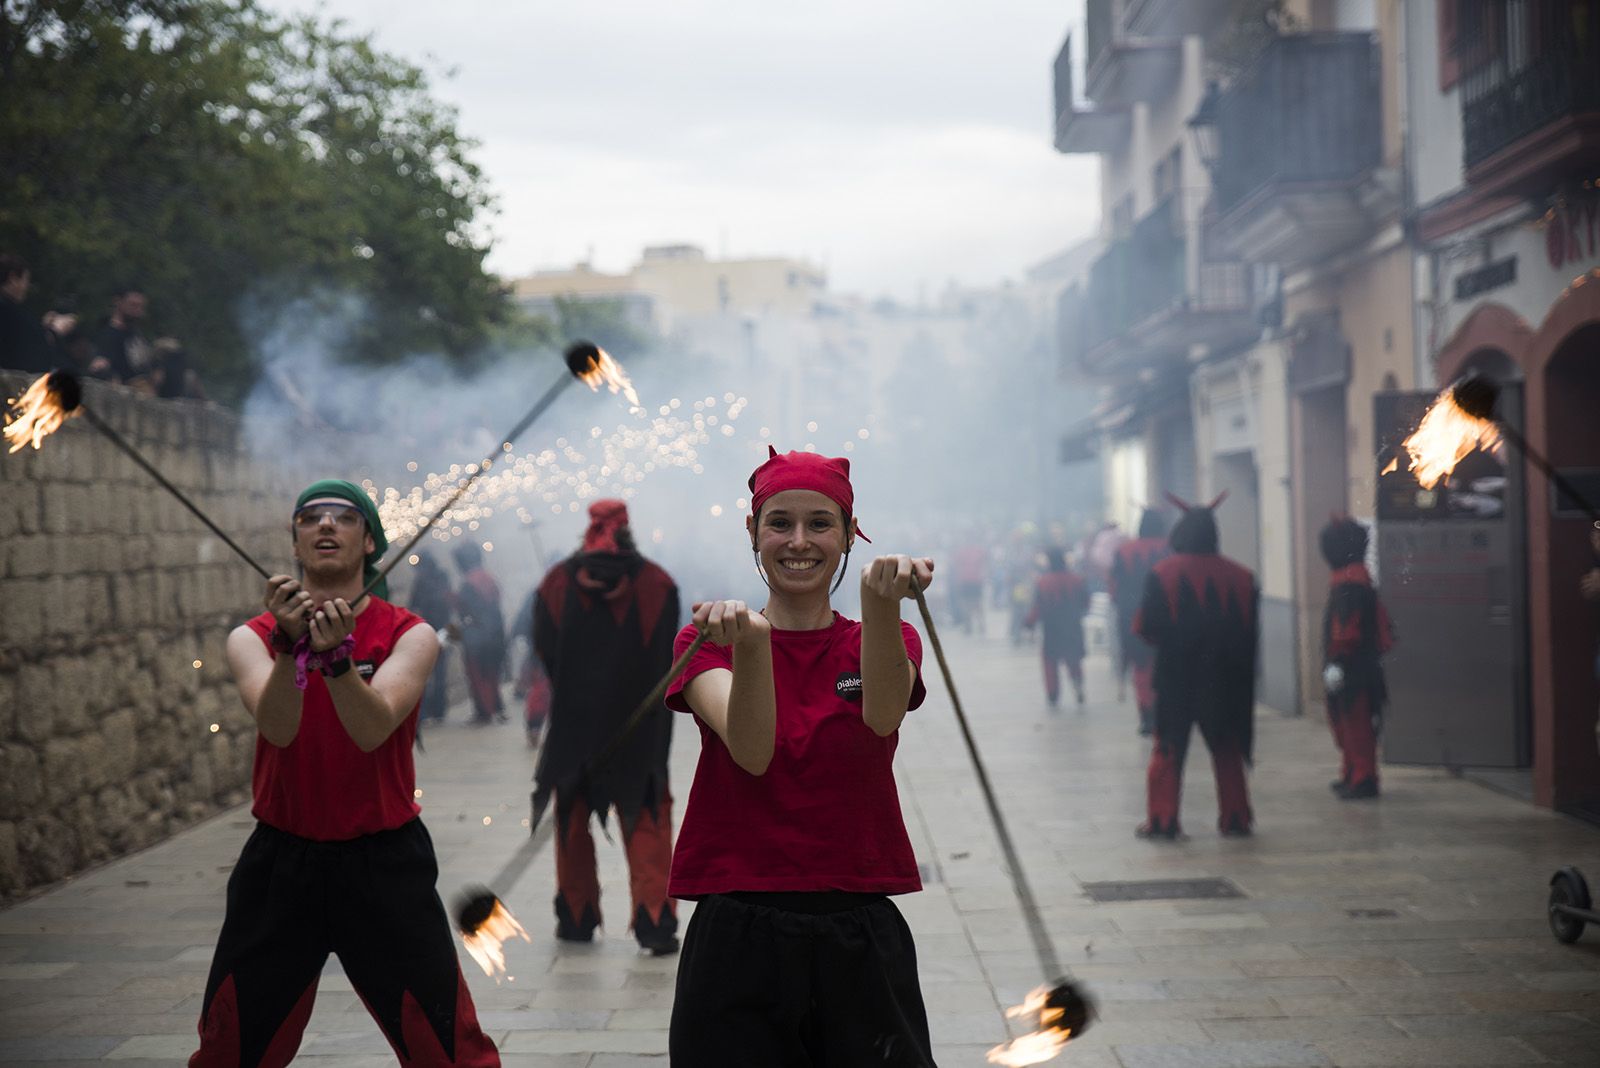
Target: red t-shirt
[(826, 815), (321, 785)]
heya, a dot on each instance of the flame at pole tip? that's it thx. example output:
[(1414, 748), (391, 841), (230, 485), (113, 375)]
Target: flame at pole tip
[(42, 408), (1449, 433), (486, 926), (594, 367), (1060, 1013)]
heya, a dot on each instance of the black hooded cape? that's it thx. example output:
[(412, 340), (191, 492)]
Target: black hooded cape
[(603, 625), (1199, 612)]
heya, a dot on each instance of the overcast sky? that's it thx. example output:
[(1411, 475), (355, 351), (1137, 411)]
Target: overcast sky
[(901, 144)]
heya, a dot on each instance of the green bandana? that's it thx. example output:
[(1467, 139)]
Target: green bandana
[(349, 491)]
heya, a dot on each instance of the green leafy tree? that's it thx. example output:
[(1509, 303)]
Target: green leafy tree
[(233, 163)]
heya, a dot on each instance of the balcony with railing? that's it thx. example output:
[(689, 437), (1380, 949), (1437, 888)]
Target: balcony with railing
[(1300, 137), (1079, 129), (1122, 68), (1530, 95), (1146, 302)]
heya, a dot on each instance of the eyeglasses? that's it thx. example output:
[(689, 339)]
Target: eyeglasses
[(341, 515)]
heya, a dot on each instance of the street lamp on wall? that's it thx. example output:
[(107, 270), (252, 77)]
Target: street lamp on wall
[(1203, 128)]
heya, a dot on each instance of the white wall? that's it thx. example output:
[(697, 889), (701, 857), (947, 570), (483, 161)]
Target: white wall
[(1434, 117)]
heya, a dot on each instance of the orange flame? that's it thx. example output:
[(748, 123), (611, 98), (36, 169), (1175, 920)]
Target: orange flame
[(1039, 1045), (487, 943), (609, 373), (1445, 437), (34, 416)]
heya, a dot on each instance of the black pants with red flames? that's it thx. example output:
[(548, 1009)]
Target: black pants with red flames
[(371, 900)]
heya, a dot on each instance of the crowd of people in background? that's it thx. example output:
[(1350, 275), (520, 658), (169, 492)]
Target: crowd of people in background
[(115, 349)]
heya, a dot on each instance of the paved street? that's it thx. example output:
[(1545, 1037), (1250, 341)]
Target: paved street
[(1406, 932)]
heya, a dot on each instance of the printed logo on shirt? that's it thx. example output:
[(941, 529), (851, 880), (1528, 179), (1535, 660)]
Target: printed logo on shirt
[(848, 686), (366, 668)]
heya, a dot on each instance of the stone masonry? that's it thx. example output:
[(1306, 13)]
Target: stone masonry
[(118, 720)]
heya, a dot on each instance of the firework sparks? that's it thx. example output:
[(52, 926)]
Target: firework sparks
[(602, 370)]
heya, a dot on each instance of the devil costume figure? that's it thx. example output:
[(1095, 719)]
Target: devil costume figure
[(339, 861), (1355, 634), (1129, 569), (1060, 600), (1199, 615), (603, 627)]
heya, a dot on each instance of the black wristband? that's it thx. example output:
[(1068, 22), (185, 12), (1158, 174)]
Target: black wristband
[(337, 668), (280, 641)]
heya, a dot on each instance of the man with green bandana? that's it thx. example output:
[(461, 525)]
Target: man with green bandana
[(339, 861)]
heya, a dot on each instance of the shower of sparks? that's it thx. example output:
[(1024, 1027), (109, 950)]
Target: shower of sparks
[(586, 466)]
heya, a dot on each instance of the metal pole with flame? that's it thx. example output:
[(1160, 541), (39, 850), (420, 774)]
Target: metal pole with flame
[(1059, 1011), (54, 398), (587, 363), (1461, 421)]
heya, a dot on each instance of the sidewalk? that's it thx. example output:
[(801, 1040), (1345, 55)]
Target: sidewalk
[(1405, 932)]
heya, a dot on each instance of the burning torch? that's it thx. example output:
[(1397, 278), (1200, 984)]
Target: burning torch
[(1462, 420), (587, 363), (1060, 1010), (56, 397)]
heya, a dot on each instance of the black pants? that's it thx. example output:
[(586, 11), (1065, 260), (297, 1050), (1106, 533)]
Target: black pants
[(371, 900), (825, 980)]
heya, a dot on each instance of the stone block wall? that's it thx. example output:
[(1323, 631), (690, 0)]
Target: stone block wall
[(119, 723)]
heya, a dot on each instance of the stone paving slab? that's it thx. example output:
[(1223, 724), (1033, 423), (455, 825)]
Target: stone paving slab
[(1404, 932)]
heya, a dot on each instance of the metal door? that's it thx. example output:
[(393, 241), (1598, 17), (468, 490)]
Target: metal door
[(1452, 568)]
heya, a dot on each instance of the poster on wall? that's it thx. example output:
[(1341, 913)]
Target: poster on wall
[(1475, 490)]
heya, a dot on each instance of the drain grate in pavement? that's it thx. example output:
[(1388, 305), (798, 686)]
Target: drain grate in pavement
[(1163, 890)]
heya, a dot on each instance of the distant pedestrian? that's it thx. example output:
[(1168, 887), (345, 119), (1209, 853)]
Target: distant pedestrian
[(1355, 635), (27, 342), (1199, 614), (532, 684), (603, 626), (483, 633), (121, 352), (1130, 566), (431, 599), (1060, 601)]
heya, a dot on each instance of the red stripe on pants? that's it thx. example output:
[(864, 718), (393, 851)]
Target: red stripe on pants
[(1357, 739), (649, 852), (1144, 688), (1164, 785)]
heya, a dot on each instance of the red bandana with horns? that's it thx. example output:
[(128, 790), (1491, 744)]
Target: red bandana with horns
[(827, 475)]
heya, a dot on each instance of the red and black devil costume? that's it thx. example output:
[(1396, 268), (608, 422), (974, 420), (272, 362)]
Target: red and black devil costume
[(1199, 615), (603, 627), (1355, 635), (1129, 568), (1060, 601)]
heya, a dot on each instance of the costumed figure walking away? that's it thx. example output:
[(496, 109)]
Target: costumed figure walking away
[(431, 599), (1060, 601), (1199, 615), (603, 625), (483, 633), (1130, 567), (1355, 635), (793, 841), (339, 861)]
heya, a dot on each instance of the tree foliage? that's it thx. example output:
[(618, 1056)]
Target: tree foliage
[(232, 162)]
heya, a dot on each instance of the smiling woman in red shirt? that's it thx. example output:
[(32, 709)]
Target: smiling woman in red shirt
[(793, 840)]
